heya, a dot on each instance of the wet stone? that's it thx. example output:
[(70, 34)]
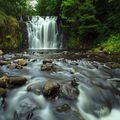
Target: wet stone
[(63, 108), (17, 81), (70, 90), (51, 89), (2, 62), (3, 92), (15, 66), (47, 61), (47, 67), (21, 62)]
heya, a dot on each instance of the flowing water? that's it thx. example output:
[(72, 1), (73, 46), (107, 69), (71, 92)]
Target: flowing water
[(43, 33), (97, 99)]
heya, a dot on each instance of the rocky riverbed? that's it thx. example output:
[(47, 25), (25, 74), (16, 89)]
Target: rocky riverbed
[(59, 85)]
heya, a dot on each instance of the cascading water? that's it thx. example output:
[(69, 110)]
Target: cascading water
[(43, 33), (98, 86)]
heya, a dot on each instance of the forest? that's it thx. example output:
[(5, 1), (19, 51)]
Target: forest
[(86, 24)]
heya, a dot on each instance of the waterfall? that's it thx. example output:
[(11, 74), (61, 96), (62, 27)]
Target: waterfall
[(43, 33)]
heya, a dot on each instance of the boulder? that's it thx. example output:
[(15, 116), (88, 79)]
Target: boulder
[(21, 62), (1, 52), (14, 66), (47, 61), (47, 67), (51, 89), (2, 83), (3, 92), (15, 81)]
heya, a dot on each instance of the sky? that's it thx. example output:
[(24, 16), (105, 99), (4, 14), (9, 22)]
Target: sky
[(33, 3)]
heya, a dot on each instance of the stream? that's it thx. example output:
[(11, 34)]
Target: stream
[(88, 90)]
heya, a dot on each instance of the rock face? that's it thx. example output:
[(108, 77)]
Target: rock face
[(51, 89)]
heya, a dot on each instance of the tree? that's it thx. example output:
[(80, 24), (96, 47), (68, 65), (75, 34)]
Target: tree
[(47, 7), (14, 7), (80, 20)]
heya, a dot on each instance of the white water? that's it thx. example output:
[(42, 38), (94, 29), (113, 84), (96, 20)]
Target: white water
[(43, 33), (91, 103)]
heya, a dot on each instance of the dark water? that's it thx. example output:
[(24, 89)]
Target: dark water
[(99, 95)]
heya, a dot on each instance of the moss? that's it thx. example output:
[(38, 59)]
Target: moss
[(10, 36)]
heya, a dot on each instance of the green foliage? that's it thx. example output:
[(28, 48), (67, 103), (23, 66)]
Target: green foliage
[(15, 7), (112, 44), (72, 43), (46, 7), (10, 37), (3, 18), (80, 20)]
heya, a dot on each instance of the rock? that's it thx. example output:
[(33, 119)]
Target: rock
[(65, 52), (3, 92), (2, 83), (113, 65), (47, 61), (14, 66), (2, 62), (17, 81), (47, 67), (63, 108), (35, 88), (70, 90), (1, 52), (5, 78), (51, 89), (22, 62)]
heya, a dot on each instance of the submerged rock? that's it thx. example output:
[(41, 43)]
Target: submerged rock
[(63, 108), (70, 90), (35, 88), (51, 89), (3, 92)]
